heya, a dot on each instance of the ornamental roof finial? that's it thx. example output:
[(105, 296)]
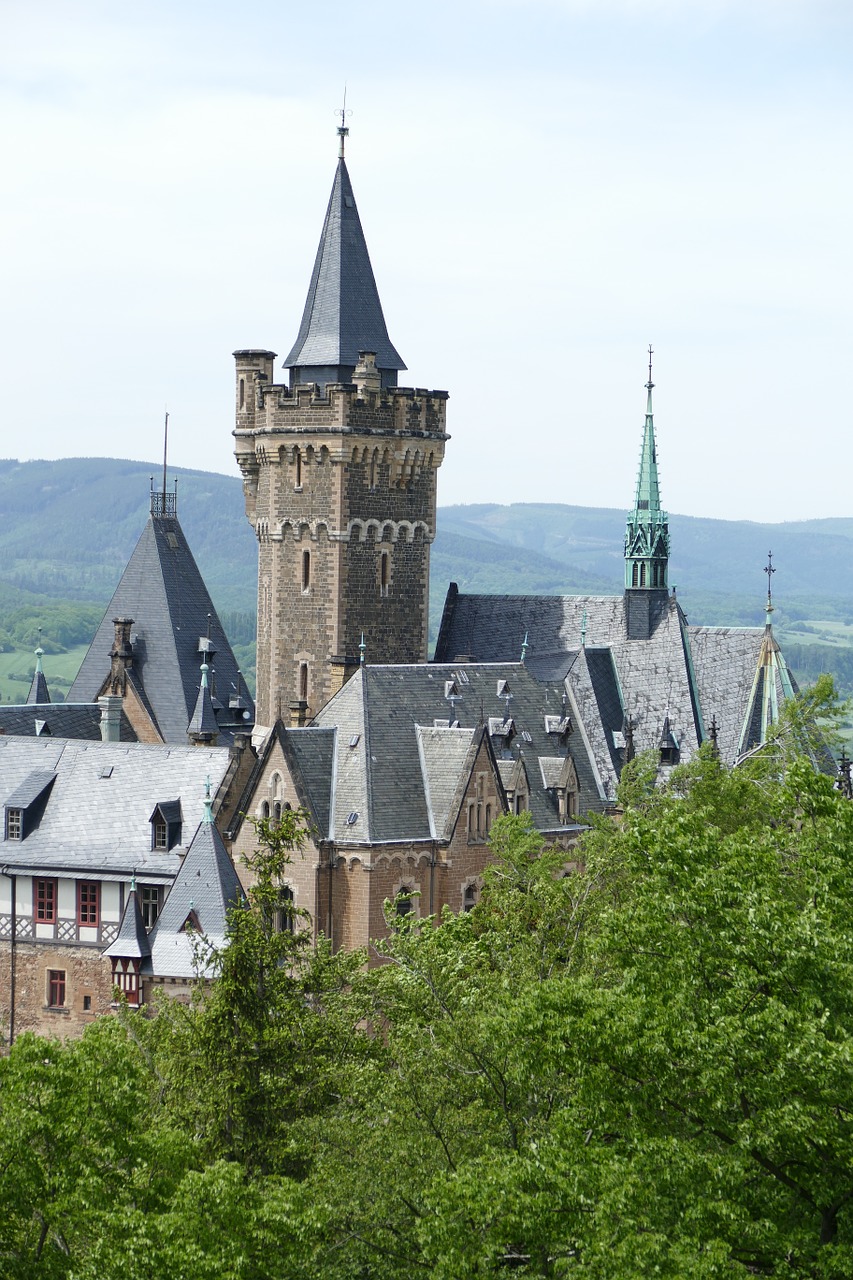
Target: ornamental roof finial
[(362, 649), (343, 130), (769, 570)]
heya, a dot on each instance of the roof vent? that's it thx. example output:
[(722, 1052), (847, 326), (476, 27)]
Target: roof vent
[(352, 819), (354, 740), (106, 772)]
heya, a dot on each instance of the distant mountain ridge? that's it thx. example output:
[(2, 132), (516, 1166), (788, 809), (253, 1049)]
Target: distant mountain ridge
[(67, 529)]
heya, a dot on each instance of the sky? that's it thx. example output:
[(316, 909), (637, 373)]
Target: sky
[(546, 188)]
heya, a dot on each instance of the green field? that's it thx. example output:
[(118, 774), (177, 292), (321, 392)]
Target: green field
[(17, 667)]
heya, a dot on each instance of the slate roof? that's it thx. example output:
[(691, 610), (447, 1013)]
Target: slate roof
[(163, 591), (59, 720), (206, 887), (343, 314), (683, 672), (39, 692), (402, 773), (96, 821)]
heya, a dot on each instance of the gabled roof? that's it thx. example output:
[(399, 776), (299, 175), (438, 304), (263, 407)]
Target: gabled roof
[(132, 942), (163, 591), (394, 779), (687, 672), (343, 314), (204, 890), (310, 756), (97, 817)]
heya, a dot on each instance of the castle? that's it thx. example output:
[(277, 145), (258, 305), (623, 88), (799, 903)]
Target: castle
[(128, 809)]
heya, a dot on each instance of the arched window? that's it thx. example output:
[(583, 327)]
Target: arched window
[(403, 902), (303, 681), (383, 573), (373, 469), (642, 575), (284, 919), (469, 897), (298, 460), (488, 819), (306, 570), (265, 809), (276, 812)]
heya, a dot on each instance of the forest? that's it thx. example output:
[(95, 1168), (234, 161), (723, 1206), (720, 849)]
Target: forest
[(636, 1064)]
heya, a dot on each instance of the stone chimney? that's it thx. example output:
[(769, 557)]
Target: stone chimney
[(121, 656), (110, 718), (366, 377)]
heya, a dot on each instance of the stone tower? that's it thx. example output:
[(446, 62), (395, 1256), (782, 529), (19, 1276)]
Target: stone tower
[(646, 539), (339, 473)]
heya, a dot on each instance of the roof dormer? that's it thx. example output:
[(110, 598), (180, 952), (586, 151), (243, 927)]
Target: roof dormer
[(25, 806), (166, 825)]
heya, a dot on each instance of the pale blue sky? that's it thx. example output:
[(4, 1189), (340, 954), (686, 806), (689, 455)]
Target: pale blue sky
[(545, 188)]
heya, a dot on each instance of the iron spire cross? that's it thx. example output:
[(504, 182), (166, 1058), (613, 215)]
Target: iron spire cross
[(769, 570)]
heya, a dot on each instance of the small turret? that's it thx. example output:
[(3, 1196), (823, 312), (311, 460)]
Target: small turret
[(39, 692)]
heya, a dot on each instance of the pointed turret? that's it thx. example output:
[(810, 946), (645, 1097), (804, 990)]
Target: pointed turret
[(343, 315), (202, 727), (39, 692), (130, 950), (646, 537), (773, 683)]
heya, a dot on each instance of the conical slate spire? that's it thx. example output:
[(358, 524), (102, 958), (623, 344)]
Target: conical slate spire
[(203, 726), (132, 940), (647, 533), (39, 692), (343, 314)]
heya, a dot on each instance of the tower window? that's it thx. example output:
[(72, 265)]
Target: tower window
[(303, 681), (306, 570), (298, 461), (469, 897), (642, 575), (242, 393), (384, 573), (635, 575), (149, 904)]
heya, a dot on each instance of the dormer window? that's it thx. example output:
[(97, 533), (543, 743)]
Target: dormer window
[(26, 804), (166, 825)]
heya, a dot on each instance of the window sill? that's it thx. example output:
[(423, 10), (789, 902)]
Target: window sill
[(57, 1008)]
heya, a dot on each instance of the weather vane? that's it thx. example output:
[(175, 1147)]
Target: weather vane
[(343, 131)]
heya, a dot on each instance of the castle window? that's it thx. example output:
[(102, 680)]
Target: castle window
[(298, 461), (284, 921), (149, 904), (488, 818), (303, 682), (373, 470), (45, 901), (56, 988), (383, 573), (265, 809), (469, 897), (88, 903), (635, 575), (642, 575), (14, 824), (403, 904), (242, 392), (306, 570), (276, 812), (161, 835)]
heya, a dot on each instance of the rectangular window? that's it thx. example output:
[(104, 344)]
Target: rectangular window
[(161, 835), (149, 904), (56, 988), (14, 824), (45, 901), (88, 902)]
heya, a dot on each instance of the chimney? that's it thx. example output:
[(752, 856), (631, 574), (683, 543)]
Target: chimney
[(366, 376), (121, 655), (110, 718)]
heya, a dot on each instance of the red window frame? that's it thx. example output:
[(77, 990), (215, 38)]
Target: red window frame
[(44, 901), (89, 903), (56, 988)]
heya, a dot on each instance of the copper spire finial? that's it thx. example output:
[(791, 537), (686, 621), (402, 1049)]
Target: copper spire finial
[(650, 384), (769, 570)]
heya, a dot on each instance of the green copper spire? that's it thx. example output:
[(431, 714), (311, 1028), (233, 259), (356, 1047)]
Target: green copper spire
[(647, 533)]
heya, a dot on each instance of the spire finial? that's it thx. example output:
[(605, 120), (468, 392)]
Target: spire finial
[(583, 630), (525, 645), (204, 670), (165, 454), (38, 652), (362, 649), (208, 803), (769, 570), (343, 131), (650, 384)]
